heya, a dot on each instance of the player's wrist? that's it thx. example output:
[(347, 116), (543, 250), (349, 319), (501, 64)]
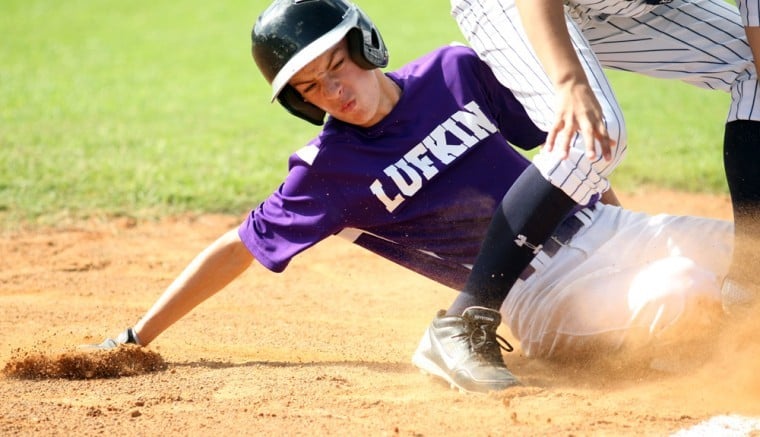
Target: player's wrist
[(132, 337), (128, 336)]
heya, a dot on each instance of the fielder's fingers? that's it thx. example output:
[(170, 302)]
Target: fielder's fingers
[(559, 141), (551, 136), (607, 144), (589, 140), (605, 141), (563, 142)]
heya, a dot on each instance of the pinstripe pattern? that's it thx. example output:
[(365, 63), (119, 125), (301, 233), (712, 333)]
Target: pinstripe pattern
[(617, 8), (750, 12), (494, 30), (700, 42), (557, 310)]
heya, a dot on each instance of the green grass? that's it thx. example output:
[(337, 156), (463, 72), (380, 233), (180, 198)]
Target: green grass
[(150, 108), (675, 134)]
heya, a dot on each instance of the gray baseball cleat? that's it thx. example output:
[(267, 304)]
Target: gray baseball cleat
[(466, 351)]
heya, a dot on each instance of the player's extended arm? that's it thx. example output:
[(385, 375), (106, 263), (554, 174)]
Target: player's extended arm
[(753, 37), (210, 271), (578, 108)]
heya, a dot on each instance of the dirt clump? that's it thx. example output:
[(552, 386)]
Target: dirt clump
[(126, 360)]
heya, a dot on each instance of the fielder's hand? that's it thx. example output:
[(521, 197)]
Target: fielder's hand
[(127, 337), (579, 112)]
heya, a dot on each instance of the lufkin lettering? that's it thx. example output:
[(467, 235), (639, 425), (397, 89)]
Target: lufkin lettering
[(407, 174)]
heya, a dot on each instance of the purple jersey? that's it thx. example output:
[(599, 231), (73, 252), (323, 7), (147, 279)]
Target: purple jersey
[(419, 188)]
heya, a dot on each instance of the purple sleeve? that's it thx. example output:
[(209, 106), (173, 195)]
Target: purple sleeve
[(302, 212), (513, 121)]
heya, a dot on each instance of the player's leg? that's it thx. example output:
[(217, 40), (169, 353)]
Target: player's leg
[(628, 280), (704, 43), (549, 189), (494, 30), (741, 159), (701, 42), (459, 342)]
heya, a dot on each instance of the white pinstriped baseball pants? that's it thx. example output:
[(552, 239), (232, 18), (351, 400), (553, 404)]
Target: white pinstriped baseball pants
[(750, 12), (494, 30), (701, 42), (625, 281)]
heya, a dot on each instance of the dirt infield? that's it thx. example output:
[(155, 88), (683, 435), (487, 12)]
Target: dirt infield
[(322, 349)]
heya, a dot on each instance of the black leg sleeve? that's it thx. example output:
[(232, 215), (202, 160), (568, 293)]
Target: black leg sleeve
[(741, 158), (530, 211)]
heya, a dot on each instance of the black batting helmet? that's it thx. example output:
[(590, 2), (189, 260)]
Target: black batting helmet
[(291, 33)]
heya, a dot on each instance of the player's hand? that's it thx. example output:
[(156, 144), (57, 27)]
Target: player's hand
[(127, 337), (579, 112)]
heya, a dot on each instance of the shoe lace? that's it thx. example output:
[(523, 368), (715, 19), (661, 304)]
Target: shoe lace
[(484, 341)]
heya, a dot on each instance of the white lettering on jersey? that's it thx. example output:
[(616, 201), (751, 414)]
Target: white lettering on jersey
[(418, 158), (390, 204), (407, 185), (418, 165), (437, 145)]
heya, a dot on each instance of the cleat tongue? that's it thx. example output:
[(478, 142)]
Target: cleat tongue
[(482, 315)]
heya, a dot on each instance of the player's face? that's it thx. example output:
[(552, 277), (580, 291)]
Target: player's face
[(335, 84)]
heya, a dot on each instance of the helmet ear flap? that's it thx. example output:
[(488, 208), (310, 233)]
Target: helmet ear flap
[(367, 48), (295, 104)]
